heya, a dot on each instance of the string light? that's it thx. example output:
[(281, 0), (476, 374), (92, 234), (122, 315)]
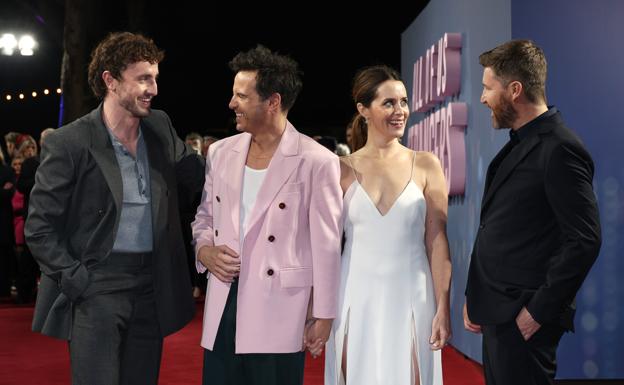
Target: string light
[(22, 95)]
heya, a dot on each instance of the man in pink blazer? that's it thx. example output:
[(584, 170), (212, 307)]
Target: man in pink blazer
[(268, 231)]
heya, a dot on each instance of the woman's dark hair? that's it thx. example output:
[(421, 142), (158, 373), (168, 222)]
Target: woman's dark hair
[(365, 86)]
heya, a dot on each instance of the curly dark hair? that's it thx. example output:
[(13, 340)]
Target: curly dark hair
[(115, 53), (519, 60), (276, 73)]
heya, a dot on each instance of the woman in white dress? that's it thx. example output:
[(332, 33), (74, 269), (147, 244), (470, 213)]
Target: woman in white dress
[(394, 293)]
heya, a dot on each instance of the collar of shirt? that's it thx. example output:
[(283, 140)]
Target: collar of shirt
[(516, 136), (117, 143)]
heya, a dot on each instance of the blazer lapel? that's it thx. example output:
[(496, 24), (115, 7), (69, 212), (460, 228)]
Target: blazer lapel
[(519, 152), (157, 180), (284, 162), (104, 155), (490, 172), (234, 177)]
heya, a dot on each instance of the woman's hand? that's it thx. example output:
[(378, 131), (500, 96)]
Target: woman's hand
[(316, 334), (440, 330)]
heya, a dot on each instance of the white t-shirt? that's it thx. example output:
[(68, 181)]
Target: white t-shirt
[(252, 181)]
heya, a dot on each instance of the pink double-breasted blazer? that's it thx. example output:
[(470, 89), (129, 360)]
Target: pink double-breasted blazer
[(291, 244)]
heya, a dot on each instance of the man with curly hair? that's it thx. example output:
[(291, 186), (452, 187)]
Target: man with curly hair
[(268, 233), (104, 223)]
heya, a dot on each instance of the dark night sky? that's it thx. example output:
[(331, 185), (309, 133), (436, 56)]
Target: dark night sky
[(329, 45)]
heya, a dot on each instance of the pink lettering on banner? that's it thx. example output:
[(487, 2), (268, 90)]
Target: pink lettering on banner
[(436, 77), (437, 74), (442, 133), (449, 81)]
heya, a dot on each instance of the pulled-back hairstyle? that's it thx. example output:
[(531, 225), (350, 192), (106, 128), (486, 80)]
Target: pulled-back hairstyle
[(365, 86), (115, 53), (275, 73), (519, 60)]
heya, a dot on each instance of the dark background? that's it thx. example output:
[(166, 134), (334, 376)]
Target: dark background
[(195, 82)]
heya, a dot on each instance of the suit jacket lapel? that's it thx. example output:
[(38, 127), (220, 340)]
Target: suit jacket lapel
[(157, 180), (490, 172), (519, 152), (234, 176), (284, 162), (104, 155)]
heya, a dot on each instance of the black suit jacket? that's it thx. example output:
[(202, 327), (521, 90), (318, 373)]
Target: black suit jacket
[(74, 216), (539, 232)]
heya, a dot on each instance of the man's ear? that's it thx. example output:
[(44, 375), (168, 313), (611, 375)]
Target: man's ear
[(275, 102), (109, 80), (516, 89)]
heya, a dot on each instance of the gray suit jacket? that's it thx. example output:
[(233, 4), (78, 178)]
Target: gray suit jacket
[(74, 216)]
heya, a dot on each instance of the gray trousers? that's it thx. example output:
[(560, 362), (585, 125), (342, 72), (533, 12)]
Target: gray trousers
[(115, 336)]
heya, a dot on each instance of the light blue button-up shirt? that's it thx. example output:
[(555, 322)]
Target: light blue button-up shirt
[(135, 224)]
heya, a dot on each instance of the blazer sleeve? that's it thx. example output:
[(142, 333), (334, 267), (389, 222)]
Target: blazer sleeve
[(189, 166), (568, 186), (47, 218), (325, 232), (180, 149), (202, 226)]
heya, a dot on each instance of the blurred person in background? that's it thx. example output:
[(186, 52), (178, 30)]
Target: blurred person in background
[(208, 140), (28, 150), (9, 146), (349, 135), (30, 165), (194, 140), (17, 206), (27, 268), (7, 231), (342, 149)]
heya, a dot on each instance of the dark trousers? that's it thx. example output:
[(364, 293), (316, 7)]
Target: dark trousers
[(223, 367), (27, 272), (115, 336), (7, 268), (510, 360)]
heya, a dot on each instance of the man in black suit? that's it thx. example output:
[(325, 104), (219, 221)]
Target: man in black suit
[(104, 224), (539, 232)]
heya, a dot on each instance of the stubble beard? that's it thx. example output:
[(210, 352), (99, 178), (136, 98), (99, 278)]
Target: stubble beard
[(132, 107), (504, 115)]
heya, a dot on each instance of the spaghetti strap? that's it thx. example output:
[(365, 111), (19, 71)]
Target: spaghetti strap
[(352, 168), (413, 161)]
